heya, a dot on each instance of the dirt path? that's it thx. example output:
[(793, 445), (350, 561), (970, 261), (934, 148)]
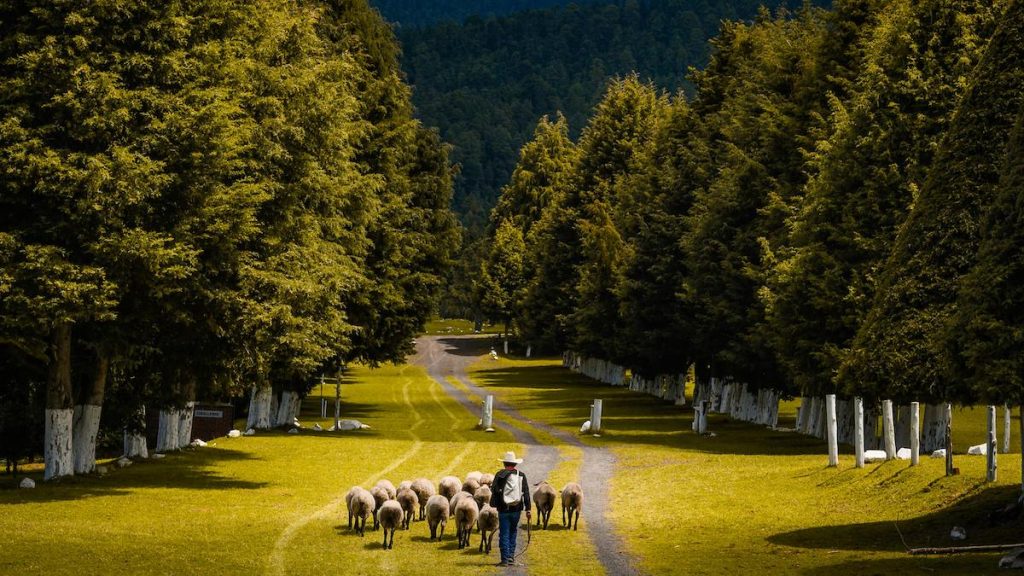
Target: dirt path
[(445, 356)]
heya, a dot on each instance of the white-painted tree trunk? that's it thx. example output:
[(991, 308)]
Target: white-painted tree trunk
[(259, 408), (833, 437), (858, 431), (888, 430), (185, 416), (948, 438), (135, 442), (915, 433), (167, 433), (529, 350), (487, 418), (286, 408), (506, 347), (85, 429), (57, 450), (1006, 428), (990, 456)]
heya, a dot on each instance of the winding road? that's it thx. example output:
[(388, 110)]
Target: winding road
[(450, 356)]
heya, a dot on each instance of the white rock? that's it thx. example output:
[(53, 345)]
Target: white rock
[(123, 462), (296, 423), (101, 470), (235, 433), (249, 432), (874, 455), (585, 428), (351, 425), (318, 427), (27, 483), (198, 443), (958, 533), (157, 456), (940, 453), (332, 428), (903, 454), (293, 431), (979, 450)]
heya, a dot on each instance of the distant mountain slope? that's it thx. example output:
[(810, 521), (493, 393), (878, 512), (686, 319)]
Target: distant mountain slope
[(423, 12), (485, 83)]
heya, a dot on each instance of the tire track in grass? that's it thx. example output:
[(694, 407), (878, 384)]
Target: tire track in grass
[(470, 447), (276, 562)]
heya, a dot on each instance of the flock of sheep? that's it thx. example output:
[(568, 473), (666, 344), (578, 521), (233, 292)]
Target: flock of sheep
[(468, 502)]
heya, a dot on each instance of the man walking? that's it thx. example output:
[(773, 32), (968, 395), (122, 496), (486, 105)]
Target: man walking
[(510, 494)]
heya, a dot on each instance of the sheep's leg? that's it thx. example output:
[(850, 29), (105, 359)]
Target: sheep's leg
[(540, 514), (376, 521), (483, 537), (490, 541), (350, 519), (385, 538), (577, 524), (433, 532), (563, 514), (443, 524), (392, 543)]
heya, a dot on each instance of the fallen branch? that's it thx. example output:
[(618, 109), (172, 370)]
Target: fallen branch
[(962, 549)]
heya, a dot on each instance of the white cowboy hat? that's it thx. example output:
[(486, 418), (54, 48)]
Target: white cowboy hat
[(511, 457)]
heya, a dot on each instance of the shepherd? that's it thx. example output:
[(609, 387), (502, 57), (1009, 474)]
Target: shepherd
[(510, 495)]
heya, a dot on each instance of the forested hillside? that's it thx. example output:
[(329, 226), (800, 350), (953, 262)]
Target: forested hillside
[(484, 83), (424, 12)]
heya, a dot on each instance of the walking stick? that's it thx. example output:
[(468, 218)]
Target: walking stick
[(529, 536)]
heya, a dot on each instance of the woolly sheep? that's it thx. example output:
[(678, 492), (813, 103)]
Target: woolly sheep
[(486, 479), (488, 525), (424, 489), (360, 508), (405, 484), (348, 502), (380, 496), (390, 518), (482, 496), (387, 485), (459, 497), (409, 502), (470, 486), (544, 497), (572, 501), (466, 514), (449, 486), (437, 513), (474, 475)]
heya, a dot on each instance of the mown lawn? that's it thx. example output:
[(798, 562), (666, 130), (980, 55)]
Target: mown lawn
[(268, 504), (750, 500)]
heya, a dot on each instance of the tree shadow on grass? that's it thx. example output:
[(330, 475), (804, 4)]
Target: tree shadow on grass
[(930, 530), (186, 470), (958, 565), (470, 345)]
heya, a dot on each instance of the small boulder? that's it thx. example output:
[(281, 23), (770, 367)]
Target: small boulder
[(318, 427), (250, 432), (979, 450), (123, 462), (874, 455), (234, 434), (157, 456), (198, 443), (27, 483), (351, 425), (958, 533), (102, 470), (293, 431), (903, 454), (940, 453)]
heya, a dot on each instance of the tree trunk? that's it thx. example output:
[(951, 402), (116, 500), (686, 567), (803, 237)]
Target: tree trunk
[(259, 407), (58, 455), (135, 440), (186, 414), (167, 433), (286, 408), (87, 419)]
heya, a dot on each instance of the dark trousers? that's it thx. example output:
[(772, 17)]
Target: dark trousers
[(508, 526)]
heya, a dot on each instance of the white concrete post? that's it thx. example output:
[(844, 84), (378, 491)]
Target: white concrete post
[(833, 437), (990, 456), (888, 430), (595, 422), (529, 349), (949, 440), (506, 347), (858, 430), (915, 433), (1006, 428), (487, 418)]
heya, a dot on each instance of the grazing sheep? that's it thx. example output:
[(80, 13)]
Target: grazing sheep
[(486, 479), (424, 489), (482, 496), (437, 513), (390, 517), (409, 502), (380, 496), (385, 484), (405, 484), (572, 500), (459, 497), (544, 497), (466, 514), (449, 486), (488, 525), (348, 502), (470, 486), (361, 507), (474, 475)]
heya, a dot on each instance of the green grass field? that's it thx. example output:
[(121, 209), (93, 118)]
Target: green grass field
[(747, 500)]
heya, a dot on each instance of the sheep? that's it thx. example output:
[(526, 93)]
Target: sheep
[(424, 489), (409, 502), (348, 502), (482, 496), (380, 496), (449, 486), (459, 497), (470, 486), (488, 525), (405, 484), (486, 479), (361, 507), (474, 475), (466, 514), (437, 513), (572, 500), (544, 497), (390, 517), (385, 484)]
